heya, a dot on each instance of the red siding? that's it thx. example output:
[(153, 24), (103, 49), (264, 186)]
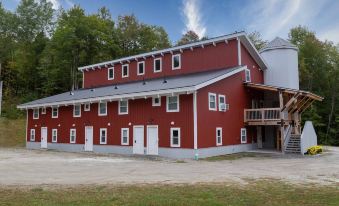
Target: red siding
[(200, 59), (247, 59)]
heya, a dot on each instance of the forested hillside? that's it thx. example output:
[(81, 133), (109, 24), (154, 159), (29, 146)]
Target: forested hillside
[(41, 49)]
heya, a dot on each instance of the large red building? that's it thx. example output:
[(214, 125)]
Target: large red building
[(200, 99)]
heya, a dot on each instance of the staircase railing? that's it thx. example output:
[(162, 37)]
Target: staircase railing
[(262, 114), (287, 136)]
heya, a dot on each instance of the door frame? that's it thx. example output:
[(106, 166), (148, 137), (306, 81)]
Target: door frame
[(143, 134), (41, 146), (85, 145), (147, 136)]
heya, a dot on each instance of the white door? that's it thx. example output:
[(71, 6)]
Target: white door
[(89, 138), (152, 139), (259, 137), (138, 140), (44, 137)]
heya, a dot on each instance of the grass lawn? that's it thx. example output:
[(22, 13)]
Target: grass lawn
[(12, 132), (234, 156), (255, 193)]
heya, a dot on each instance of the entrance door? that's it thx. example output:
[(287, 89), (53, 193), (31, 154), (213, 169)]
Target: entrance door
[(44, 137), (138, 140), (259, 137), (89, 138), (152, 139)]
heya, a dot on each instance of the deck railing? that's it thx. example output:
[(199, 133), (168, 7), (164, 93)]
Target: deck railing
[(262, 114)]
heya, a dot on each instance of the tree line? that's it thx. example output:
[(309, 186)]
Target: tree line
[(41, 49)]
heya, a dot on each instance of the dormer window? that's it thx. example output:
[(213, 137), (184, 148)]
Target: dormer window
[(141, 68), (176, 61), (247, 75), (125, 70), (157, 67), (110, 73)]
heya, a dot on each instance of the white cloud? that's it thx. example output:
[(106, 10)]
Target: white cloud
[(192, 17), (56, 4), (330, 35)]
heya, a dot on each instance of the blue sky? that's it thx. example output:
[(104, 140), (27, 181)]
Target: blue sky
[(218, 17)]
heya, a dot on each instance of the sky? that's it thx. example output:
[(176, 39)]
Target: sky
[(214, 18)]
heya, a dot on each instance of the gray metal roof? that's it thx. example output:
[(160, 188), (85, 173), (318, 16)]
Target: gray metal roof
[(278, 43), (136, 88)]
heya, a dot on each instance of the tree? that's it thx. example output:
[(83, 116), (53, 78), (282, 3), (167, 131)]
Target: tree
[(188, 37), (257, 40)]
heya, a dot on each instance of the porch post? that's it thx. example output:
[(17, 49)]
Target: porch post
[(282, 132)]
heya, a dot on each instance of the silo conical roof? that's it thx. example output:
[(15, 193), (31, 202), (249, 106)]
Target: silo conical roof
[(278, 43)]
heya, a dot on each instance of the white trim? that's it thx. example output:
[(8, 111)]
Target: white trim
[(239, 51), (56, 135), (143, 63), (36, 111), (156, 71), (241, 135), (173, 56), (248, 77), (108, 73), (70, 135), (122, 70), (122, 139), (167, 104), (57, 112), (219, 105), (216, 136), (89, 107), (119, 107), (104, 114), (156, 104), (26, 125), (209, 102), (179, 136), (30, 135), (79, 115), (43, 110), (103, 129), (195, 120), (83, 79)]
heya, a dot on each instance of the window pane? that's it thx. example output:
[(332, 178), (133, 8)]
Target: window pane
[(125, 70), (102, 108), (176, 61), (156, 100), (157, 65), (141, 68), (222, 100), (175, 133), (175, 140)]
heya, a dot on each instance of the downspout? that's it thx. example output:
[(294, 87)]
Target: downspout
[(195, 126)]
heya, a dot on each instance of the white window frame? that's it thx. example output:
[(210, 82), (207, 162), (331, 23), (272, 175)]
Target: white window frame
[(43, 110), (179, 136), (32, 135), (167, 104), (79, 115), (143, 63), (209, 101), (56, 135), (103, 129), (57, 112), (108, 73), (173, 56), (119, 107), (247, 75), (154, 65), (36, 113), (154, 104), (122, 137), (87, 107), (70, 136), (122, 70), (241, 135), (99, 109), (216, 136), (220, 96)]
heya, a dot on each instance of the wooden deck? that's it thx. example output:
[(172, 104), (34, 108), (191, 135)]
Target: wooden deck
[(263, 116)]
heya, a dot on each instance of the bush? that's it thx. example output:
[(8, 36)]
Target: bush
[(315, 150)]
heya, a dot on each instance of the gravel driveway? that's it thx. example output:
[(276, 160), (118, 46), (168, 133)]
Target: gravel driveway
[(21, 167)]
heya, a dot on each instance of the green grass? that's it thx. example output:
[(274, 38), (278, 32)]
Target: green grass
[(12, 132), (234, 156), (255, 193)]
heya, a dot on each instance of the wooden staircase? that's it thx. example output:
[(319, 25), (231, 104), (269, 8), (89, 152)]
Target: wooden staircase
[(293, 145)]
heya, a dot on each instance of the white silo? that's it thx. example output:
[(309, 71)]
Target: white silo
[(281, 58)]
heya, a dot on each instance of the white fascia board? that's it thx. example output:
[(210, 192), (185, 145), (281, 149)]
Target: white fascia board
[(159, 52)]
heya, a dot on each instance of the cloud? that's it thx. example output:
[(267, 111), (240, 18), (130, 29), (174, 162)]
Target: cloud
[(55, 3), (330, 34), (192, 17)]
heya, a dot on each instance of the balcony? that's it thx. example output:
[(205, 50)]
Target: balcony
[(262, 116)]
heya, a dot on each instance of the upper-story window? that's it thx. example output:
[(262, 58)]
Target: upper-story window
[(125, 69), (77, 110), (212, 101), (55, 112), (157, 67), (222, 103), (102, 109), (156, 101), (141, 68), (35, 113), (43, 110), (176, 61), (123, 107), (247, 75), (87, 107), (110, 73), (172, 104)]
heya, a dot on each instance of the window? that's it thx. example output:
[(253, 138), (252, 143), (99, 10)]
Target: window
[(103, 136), (219, 136), (175, 137), (123, 107), (102, 108), (156, 101), (243, 135), (43, 110), (77, 110), (87, 107), (247, 75), (172, 104), (176, 61), (72, 136), (157, 67), (141, 68), (222, 103), (110, 73), (125, 70), (55, 111), (124, 136), (32, 136), (35, 113), (54, 135), (212, 101)]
